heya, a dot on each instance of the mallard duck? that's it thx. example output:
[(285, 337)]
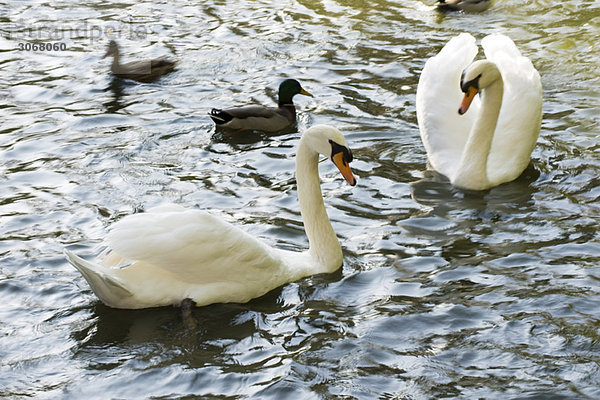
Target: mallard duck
[(141, 71), (491, 144), (261, 118), (463, 5), (170, 254)]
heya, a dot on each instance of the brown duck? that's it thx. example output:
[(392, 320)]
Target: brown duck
[(141, 71)]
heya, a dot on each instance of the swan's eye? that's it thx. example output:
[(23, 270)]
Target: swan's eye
[(464, 86), (338, 148)]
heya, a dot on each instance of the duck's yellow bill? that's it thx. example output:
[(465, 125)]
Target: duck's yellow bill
[(338, 160), (304, 92), (467, 99)]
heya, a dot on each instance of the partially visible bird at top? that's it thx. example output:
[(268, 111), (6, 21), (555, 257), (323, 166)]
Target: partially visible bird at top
[(261, 118), (463, 5), (142, 71)]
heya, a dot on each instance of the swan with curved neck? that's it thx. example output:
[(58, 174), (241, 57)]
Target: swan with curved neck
[(171, 253), (492, 144), (480, 77)]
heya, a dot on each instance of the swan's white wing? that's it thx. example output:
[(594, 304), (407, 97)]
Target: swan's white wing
[(444, 132), (521, 112), (192, 245)]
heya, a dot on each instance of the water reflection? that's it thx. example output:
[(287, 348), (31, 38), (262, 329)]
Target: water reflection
[(237, 139), (116, 87), (434, 190), (211, 323)]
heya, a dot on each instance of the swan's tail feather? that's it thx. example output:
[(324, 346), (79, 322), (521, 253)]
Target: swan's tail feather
[(107, 288)]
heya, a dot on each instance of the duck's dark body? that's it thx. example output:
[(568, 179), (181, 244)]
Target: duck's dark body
[(255, 117), (261, 118), (141, 71), (463, 5)]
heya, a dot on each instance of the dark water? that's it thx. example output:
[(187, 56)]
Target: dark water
[(443, 293)]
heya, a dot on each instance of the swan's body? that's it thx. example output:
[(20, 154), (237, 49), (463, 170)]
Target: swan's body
[(257, 117), (170, 253), (463, 5), (141, 71), (492, 143)]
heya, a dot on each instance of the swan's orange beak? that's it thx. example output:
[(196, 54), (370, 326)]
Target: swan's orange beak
[(467, 99), (344, 167)]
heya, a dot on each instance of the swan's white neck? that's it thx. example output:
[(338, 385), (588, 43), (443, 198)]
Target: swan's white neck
[(324, 246), (472, 168)]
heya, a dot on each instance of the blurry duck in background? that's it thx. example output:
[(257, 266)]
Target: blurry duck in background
[(142, 71), (259, 117), (463, 5)]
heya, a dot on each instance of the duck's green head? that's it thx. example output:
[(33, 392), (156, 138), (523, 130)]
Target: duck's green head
[(288, 89)]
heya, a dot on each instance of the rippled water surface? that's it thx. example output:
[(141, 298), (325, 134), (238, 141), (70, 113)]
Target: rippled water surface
[(443, 293)]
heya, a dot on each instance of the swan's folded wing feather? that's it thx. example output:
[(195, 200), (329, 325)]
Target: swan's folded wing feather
[(444, 132), (521, 112), (192, 245)]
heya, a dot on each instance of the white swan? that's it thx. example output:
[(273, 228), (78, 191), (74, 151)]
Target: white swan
[(491, 144), (170, 253)]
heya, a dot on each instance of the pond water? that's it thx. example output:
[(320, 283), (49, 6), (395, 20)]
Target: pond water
[(443, 293)]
